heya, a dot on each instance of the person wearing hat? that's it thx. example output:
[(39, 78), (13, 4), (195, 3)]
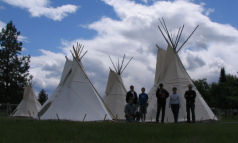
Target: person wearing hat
[(161, 94), (174, 104), (190, 96)]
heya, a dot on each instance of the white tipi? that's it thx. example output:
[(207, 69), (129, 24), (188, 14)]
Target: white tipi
[(75, 98), (171, 72), (29, 105), (115, 97)]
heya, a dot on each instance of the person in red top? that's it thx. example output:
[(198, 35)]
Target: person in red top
[(161, 94), (190, 96)]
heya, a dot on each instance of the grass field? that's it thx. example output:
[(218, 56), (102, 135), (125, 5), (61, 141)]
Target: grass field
[(34, 131)]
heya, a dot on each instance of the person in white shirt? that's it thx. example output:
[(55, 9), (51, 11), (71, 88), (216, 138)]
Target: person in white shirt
[(174, 103)]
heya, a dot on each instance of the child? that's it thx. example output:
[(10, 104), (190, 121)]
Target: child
[(143, 100)]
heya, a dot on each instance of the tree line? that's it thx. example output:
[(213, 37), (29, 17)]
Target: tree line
[(222, 94)]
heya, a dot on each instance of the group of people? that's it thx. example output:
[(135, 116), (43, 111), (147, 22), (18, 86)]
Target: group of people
[(131, 109)]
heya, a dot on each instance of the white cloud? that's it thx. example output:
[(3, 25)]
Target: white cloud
[(23, 39), (135, 34), (46, 69), (2, 25), (209, 11), (39, 8)]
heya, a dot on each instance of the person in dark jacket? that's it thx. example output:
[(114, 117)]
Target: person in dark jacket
[(143, 101), (190, 96), (161, 94), (131, 95)]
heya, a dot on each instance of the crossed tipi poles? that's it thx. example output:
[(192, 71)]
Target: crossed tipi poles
[(119, 67), (173, 42)]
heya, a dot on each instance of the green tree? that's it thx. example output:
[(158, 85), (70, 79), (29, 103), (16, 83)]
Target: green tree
[(14, 67), (42, 96), (223, 95), (203, 88), (222, 77)]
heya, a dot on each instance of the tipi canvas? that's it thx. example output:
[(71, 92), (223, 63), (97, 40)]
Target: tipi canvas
[(171, 73), (29, 106), (75, 98), (115, 97)]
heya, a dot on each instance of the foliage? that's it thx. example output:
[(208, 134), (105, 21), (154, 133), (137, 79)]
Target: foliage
[(222, 78), (223, 94), (42, 96), (14, 73)]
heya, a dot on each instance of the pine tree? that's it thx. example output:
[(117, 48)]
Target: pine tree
[(222, 78), (42, 96), (14, 67)]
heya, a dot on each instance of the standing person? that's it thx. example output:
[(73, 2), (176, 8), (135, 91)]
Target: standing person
[(131, 95), (161, 94), (190, 96), (143, 101), (174, 103)]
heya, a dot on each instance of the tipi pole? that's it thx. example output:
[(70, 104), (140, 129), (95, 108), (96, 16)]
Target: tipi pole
[(38, 116), (83, 55), (81, 48), (57, 116), (113, 64), (84, 116), (179, 36), (176, 39), (163, 35), (127, 64), (187, 38), (118, 66), (167, 31), (105, 117), (122, 63), (29, 113)]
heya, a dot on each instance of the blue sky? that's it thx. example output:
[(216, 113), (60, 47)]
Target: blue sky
[(109, 26), (44, 33)]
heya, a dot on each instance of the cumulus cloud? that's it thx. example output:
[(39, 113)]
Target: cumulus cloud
[(46, 69), (38, 8), (209, 11), (135, 33), (2, 25)]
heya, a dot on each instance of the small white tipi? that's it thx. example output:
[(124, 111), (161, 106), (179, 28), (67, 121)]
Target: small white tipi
[(29, 106), (75, 98), (115, 98), (171, 73)]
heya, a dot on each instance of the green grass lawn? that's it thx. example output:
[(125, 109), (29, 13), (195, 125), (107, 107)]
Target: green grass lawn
[(26, 130)]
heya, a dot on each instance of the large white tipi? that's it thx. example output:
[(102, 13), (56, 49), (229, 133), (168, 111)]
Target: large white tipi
[(75, 98), (115, 97), (171, 73), (29, 105)]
